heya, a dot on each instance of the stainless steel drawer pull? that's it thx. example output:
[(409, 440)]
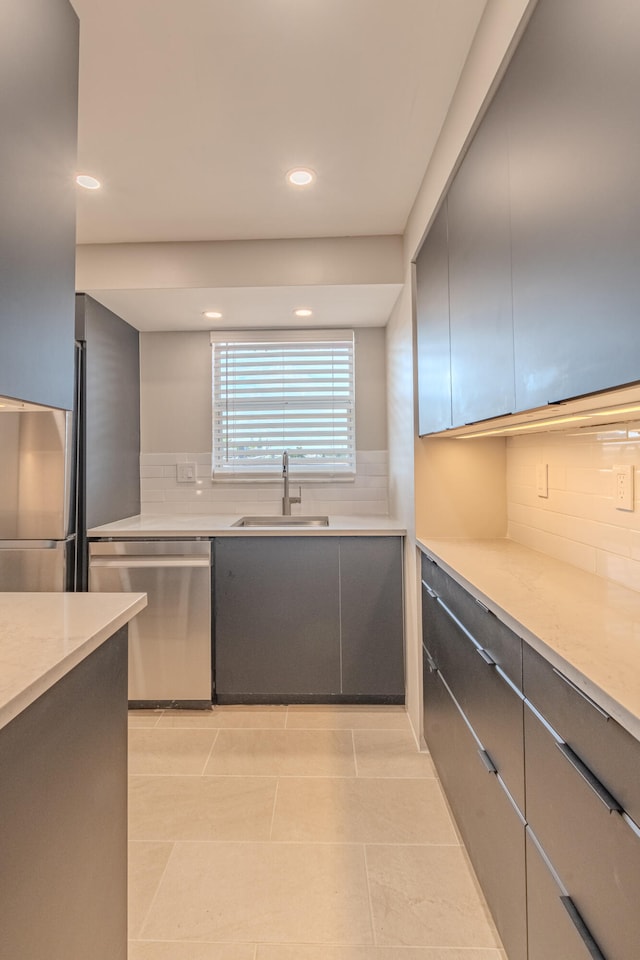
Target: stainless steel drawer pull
[(481, 604), (486, 656), (131, 562), (487, 761), (582, 928), (589, 778), (582, 694), (431, 592)]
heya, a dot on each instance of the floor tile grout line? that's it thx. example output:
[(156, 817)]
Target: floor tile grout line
[(371, 916), (158, 885), (309, 843), (355, 755), (273, 812), (281, 776), (206, 763)]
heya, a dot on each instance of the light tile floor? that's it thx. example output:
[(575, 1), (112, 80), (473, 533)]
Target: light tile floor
[(294, 833)]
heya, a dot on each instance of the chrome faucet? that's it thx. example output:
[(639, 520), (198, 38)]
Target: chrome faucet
[(286, 499)]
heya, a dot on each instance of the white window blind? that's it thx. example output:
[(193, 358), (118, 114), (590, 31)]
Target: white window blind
[(283, 390)]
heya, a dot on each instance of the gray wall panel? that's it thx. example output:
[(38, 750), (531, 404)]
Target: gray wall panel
[(112, 420), (63, 830)]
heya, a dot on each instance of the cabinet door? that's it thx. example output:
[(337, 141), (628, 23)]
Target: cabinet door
[(38, 119), (371, 616), (604, 746), (432, 332), (504, 646), (553, 930), (493, 708), (276, 619), (492, 830), (593, 848), (481, 316), (574, 131)]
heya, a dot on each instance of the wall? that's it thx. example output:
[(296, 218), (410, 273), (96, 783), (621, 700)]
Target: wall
[(401, 428), (499, 30), (578, 522), (500, 25), (175, 398)]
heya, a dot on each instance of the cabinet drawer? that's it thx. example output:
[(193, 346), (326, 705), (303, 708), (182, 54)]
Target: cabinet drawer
[(594, 851), (496, 638), (606, 747), (551, 930), (492, 707), (492, 829)]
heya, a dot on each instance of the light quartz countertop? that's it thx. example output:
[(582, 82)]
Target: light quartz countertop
[(210, 525), (585, 626), (44, 635)]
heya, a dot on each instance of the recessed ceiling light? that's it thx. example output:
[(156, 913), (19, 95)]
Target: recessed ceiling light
[(89, 183), (303, 313), (212, 315), (301, 176)]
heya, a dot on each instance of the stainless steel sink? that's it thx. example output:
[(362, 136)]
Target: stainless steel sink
[(281, 522)]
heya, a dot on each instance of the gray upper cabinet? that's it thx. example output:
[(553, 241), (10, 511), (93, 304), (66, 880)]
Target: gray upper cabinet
[(481, 319), (541, 229), (433, 349), (38, 118), (575, 199)]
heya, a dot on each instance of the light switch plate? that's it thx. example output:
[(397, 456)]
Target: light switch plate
[(542, 479), (623, 486), (186, 472)]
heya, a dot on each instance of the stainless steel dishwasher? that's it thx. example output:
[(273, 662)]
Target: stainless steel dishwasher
[(170, 641)]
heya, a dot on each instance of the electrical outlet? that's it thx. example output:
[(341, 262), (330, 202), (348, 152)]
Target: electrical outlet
[(542, 479), (623, 486), (186, 472)]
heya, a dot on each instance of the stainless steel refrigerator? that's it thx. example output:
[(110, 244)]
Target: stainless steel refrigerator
[(37, 497), (62, 472)]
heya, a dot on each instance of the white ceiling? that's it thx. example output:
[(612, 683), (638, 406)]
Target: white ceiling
[(352, 305), (191, 113)]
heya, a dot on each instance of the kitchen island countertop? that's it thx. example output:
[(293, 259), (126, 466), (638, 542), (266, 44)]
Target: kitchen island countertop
[(44, 635), (585, 626), (221, 525)]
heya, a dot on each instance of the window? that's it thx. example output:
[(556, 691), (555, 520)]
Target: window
[(283, 390)]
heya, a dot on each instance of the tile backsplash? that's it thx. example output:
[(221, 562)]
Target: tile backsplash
[(161, 493), (578, 522)]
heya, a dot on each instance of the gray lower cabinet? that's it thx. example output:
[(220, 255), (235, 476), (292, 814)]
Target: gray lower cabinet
[(38, 119), (571, 773), (63, 829), (555, 928), (276, 617), (593, 848), (371, 617), (308, 618), (468, 658), (491, 826), (602, 744)]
